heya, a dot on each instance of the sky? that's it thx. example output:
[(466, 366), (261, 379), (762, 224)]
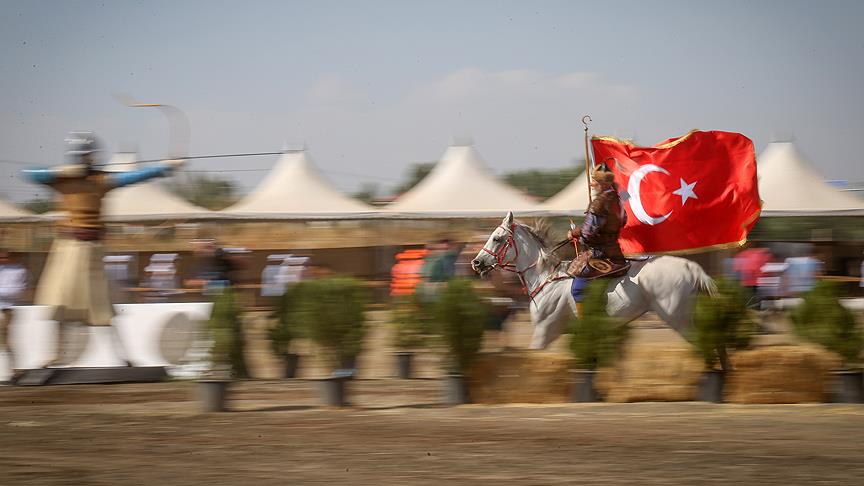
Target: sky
[(371, 87)]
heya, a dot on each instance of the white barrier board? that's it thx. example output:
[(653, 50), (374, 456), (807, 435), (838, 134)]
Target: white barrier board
[(151, 335)]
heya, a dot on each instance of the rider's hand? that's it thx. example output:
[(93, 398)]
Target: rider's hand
[(574, 233), (175, 164)]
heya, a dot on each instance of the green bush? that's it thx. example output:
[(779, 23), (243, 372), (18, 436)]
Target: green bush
[(332, 312), (460, 316), (822, 320), (595, 337), (286, 328), (722, 322), (226, 331), (411, 323)]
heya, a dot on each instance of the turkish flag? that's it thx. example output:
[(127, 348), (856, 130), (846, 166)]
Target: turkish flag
[(695, 192)]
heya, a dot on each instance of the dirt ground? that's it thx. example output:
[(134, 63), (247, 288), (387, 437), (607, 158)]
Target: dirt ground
[(397, 432)]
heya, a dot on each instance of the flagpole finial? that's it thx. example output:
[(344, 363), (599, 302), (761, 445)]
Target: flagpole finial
[(588, 117)]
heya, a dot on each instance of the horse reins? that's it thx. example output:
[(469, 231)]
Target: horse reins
[(510, 266)]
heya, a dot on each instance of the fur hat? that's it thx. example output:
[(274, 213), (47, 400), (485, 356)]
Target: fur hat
[(603, 175)]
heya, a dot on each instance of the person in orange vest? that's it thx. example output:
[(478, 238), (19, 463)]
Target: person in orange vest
[(406, 272)]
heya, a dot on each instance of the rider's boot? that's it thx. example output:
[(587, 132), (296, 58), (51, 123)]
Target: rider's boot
[(577, 290)]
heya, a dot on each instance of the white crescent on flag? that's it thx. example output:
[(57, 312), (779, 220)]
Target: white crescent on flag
[(633, 187)]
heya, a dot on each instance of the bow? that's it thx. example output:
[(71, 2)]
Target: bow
[(178, 126)]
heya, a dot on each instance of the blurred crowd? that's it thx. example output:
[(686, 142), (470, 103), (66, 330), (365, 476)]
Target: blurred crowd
[(766, 276)]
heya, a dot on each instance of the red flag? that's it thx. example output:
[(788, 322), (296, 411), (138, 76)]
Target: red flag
[(694, 192)]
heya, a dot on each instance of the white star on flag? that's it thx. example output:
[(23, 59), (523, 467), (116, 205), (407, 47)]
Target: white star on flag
[(686, 191)]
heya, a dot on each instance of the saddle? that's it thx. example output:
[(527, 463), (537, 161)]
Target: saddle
[(587, 267)]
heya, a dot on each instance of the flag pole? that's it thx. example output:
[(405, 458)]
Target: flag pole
[(588, 164)]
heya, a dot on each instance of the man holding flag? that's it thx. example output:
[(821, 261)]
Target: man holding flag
[(601, 255), (693, 193)]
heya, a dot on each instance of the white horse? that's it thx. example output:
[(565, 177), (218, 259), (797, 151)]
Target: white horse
[(666, 285)]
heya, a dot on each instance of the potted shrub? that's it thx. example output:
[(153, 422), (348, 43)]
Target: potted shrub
[(332, 311), (460, 316), (822, 320), (595, 339), (226, 352), (284, 330), (410, 324), (720, 323)]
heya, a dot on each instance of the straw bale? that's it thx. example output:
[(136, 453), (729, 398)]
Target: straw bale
[(521, 376), (662, 372), (780, 374)]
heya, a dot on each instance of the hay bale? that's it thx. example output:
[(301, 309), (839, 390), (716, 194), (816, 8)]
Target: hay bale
[(664, 372), (520, 376), (780, 374)]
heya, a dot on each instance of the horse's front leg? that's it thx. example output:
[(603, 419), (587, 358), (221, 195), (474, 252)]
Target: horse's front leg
[(548, 314)]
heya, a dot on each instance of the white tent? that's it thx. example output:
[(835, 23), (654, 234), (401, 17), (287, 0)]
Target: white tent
[(146, 200), (9, 213), (295, 189), (461, 185), (790, 186), (570, 201)]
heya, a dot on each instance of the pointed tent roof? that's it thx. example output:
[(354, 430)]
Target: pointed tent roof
[(147, 200), (461, 185), (572, 200), (790, 186), (296, 189), (11, 213)]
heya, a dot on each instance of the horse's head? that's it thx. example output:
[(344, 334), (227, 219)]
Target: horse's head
[(500, 249)]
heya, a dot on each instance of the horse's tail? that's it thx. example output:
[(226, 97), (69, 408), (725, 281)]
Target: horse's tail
[(704, 282)]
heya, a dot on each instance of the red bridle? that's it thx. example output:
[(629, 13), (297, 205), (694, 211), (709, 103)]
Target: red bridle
[(510, 266), (501, 253)]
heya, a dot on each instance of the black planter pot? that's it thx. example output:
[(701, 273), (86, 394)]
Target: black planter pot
[(583, 386), (847, 386), (456, 390), (213, 395), (710, 388), (333, 391), (403, 364), (291, 362)]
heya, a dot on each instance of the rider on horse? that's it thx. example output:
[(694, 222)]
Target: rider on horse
[(600, 254)]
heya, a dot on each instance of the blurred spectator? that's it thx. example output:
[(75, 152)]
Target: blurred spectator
[(293, 270), (440, 263), (729, 269), (406, 272), (161, 277), (13, 284), (214, 267), (801, 274), (271, 283), (118, 275), (439, 267), (748, 266), (282, 271), (772, 280)]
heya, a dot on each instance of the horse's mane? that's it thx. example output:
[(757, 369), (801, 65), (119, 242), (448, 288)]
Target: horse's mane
[(540, 233)]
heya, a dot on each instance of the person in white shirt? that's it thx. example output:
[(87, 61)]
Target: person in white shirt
[(13, 284)]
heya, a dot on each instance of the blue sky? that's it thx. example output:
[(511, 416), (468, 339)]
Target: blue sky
[(374, 86)]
